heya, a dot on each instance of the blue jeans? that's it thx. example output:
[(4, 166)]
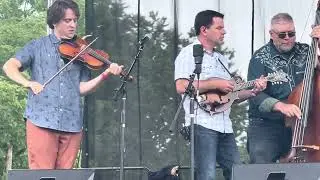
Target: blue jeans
[(267, 140), (211, 147)]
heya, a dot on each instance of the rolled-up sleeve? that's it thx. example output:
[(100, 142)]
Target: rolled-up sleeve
[(184, 64), (262, 100), (85, 74)]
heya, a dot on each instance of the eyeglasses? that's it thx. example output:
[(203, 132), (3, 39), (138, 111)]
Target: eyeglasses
[(283, 35)]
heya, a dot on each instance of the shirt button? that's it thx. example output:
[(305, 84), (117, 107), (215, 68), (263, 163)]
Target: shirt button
[(61, 84), (60, 110), (61, 97)]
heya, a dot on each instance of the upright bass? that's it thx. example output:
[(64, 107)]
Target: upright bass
[(305, 145)]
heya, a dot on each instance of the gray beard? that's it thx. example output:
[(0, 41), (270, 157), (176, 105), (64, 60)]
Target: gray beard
[(284, 50)]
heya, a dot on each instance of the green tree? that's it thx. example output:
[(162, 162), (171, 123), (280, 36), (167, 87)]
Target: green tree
[(20, 22), (12, 126)]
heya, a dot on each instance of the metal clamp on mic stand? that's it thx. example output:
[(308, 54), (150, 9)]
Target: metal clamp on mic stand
[(190, 90), (122, 91)]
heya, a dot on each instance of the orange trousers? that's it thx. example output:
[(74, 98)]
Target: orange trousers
[(50, 149)]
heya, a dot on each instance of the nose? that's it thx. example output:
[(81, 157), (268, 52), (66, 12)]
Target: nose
[(73, 23)]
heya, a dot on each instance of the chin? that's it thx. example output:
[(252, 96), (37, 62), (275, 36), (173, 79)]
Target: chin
[(286, 49)]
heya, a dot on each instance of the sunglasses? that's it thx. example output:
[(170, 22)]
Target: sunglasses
[(283, 35)]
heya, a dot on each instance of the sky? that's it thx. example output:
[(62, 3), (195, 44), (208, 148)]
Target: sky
[(238, 15)]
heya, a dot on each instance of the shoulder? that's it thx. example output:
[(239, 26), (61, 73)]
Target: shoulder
[(221, 57), (264, 49), (264, 53), (187, 49), (39, 41), (185, 53), (301, 47)]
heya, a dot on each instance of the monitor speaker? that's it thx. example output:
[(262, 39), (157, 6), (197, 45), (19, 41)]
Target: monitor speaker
[(72, 174), (291, 171)]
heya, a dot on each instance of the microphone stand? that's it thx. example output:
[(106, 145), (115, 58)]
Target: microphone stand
[(189, 91), (122, 91)]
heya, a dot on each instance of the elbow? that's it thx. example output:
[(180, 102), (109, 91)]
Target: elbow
[(11, 65), (180, 90), (5, 67), (181, 86)]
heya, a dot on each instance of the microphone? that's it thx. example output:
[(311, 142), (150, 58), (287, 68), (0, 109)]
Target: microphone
[(198, 56), (145, 39)]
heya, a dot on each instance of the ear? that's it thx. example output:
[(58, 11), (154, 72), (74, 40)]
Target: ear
[(270, 33), (203, 30)]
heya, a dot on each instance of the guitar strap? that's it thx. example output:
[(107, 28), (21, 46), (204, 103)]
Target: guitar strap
[(232, 75), (235, 77)]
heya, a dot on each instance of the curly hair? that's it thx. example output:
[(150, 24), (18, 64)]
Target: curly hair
[(57, 11)]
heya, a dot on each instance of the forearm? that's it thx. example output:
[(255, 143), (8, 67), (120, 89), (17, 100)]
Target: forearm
[(244, 95), (202, 85), (92, 85), (11, 69), (267, 105)]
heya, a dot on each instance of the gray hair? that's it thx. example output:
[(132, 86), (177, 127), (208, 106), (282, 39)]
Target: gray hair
[(281, 17)]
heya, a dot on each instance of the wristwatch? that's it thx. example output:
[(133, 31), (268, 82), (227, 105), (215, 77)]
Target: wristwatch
[(201, 98)]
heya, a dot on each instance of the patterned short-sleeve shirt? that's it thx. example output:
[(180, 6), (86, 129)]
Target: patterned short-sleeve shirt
[(58, 106)]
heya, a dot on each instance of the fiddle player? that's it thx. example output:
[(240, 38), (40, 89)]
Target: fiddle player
[(54, 115), (213, 134), (268, 137)]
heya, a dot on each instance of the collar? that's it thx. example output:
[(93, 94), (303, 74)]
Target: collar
[(205, 50), (54, 38), (275, 52)]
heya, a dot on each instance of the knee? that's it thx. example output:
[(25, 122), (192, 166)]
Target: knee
[(208, 174), (259, 154)]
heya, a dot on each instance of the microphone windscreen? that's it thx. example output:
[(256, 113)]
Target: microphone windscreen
[(197, 50)]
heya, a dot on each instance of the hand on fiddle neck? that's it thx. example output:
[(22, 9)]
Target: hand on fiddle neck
[(291, 111), (113, 69)]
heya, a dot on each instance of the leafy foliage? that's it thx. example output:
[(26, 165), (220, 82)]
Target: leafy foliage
[(12, 126)]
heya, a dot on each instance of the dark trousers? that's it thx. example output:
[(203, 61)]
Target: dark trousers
[(211, 147), (267, 140)]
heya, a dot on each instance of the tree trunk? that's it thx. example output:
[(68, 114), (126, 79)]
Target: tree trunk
[(9, 158)]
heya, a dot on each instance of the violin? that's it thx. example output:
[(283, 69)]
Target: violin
[(92, 58)]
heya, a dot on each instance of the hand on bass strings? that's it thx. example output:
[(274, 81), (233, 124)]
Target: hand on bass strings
[(35, 87), (315, 32), (289, 110)]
